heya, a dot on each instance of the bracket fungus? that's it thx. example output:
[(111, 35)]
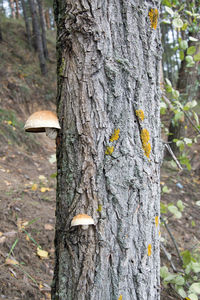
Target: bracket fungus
[(83, 220), (43, 121)]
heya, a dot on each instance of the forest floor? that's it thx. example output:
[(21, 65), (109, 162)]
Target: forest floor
[(28, 183)]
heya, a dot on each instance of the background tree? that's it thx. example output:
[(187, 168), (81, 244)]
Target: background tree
[(43, 30), (108, 152), (181, 60), (38, 40), (26, 20), (12, 8), (17, 9)]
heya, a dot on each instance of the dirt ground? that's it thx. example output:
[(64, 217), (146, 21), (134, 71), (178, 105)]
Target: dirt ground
[(27, 217), (182, 186)]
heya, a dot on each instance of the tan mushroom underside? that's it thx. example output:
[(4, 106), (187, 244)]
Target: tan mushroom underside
[(40, 120), (82, 219)]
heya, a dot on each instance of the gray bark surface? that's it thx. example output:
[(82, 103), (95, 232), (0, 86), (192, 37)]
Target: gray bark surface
[(38, 40), (108, 67)]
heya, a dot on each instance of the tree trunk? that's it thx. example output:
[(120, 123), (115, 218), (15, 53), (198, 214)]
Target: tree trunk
[(28, 31), (1, 37), (47, 19), (108, 75), (188, 87), (42, 24), (12, 8), (38, 39), (17, 8)]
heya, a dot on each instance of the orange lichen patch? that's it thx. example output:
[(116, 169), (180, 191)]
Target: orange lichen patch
[(153, 16), (145, 136), (149, 250), (140, 114), (156, 221), (109, 150), (147, 149), (115, 135), (145, 142)]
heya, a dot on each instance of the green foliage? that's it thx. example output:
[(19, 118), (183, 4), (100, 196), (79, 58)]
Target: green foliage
[(182, 54), (175, 210), (12, 131), (187, 282)]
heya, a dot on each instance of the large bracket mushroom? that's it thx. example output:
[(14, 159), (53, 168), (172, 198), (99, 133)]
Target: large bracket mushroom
[(43, 121)]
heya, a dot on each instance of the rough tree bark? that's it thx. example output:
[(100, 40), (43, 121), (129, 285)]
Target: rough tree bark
[(42, 25), (108, 76), (28, 31), (38, 40)]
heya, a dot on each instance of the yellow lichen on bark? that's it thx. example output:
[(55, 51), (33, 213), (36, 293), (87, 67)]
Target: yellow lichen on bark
[(140, 114), (156, 221), (149, 250), (145, 136), (153, 16), (115, 135), (145, 142), (109, 150), (147, 149)]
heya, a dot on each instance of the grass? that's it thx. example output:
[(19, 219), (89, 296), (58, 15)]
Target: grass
[(12, 131)]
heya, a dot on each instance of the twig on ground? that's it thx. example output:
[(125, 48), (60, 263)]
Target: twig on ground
[(168, 102), (173, 156), (168, 256), (173, 239)]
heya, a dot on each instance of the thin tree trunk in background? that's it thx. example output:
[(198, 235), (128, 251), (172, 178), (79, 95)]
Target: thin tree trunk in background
[(12, 8), (28, 31), (17, 8), (38, 39), (53, 25), (108, 67), (42, 24), (188, 87), (1, 37), (47, 19)]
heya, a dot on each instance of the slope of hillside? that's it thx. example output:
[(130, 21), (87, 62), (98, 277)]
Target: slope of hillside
[(27, 185)]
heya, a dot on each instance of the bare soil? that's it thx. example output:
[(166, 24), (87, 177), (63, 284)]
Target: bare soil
[(27, 217)]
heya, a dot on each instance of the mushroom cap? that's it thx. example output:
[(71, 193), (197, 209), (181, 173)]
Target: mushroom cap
[(38, 121), (82, 219)]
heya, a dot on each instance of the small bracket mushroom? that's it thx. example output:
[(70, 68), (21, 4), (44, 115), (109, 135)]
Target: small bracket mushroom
[(43, 121), (83, 220)]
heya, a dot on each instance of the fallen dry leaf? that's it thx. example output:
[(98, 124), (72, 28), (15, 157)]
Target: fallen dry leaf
[(10, 233), (42, 253), (48, 227), (10, 261), (34, 187), (13, 272), (2, 239), (42, 178)]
